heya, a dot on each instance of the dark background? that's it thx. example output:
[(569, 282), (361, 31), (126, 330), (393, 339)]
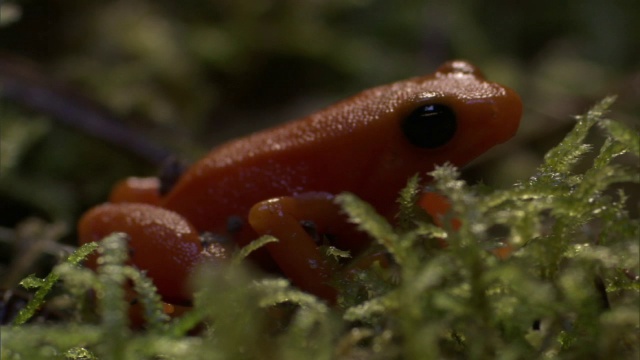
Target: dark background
[(190, 74)]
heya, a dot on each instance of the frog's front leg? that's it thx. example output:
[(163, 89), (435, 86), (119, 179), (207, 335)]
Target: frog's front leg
[(297, 252), (438, 206)]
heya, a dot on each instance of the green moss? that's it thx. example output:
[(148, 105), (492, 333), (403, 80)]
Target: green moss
[(568, 289)]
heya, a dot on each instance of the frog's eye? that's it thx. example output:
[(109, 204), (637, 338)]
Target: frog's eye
[(430, 126)]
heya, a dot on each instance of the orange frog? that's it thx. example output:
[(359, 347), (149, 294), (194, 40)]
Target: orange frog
[(282, 181)]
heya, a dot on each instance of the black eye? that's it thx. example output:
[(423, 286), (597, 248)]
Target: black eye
[(430, 126)]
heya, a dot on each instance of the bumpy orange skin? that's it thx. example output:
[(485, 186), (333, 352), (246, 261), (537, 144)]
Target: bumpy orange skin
[(356, 145), (161, 242)]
